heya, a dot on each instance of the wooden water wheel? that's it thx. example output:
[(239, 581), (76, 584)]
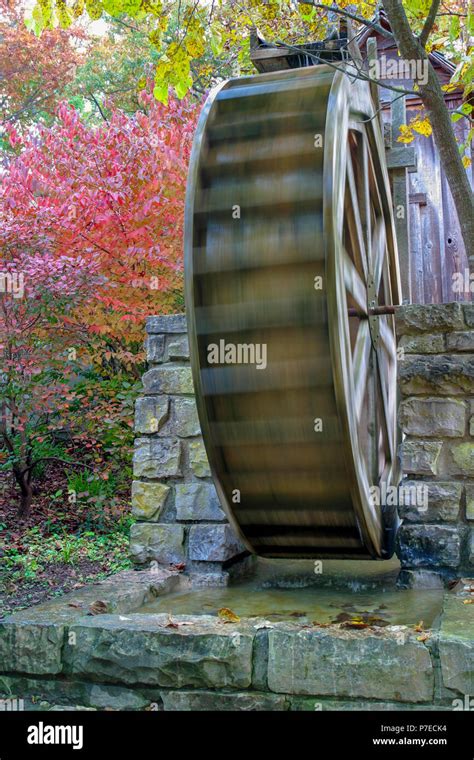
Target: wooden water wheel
[(289, 245)]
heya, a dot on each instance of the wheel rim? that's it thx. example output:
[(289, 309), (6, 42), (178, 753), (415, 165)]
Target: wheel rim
[(360, 258)]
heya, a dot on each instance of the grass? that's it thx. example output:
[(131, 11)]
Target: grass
[(41, 553)]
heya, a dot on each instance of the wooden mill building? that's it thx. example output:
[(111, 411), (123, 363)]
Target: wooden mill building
[(430, 244)]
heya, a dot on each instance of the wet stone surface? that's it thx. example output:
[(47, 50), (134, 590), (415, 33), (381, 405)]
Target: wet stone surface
[(136, 642)]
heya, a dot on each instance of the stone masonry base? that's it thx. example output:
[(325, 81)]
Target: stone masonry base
[(436, 415), (59, 656), (180, 520)]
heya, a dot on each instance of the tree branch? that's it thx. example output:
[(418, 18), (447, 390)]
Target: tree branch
[(92, 96), (357, 73), (348, 14), (55, 459), (432, 97), (429, 21)]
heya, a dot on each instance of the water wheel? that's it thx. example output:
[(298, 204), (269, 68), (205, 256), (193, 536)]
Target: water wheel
[(290, 250)]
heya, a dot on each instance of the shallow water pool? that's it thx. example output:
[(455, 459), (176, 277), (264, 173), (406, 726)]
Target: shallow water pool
[(291, 590)]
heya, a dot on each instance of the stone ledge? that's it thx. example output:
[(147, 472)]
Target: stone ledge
[(350, 664), (199, 701), (456, 645), (166, 323), (66, 692), (197, 651), (432, 318), (127, 660), (31, 640)]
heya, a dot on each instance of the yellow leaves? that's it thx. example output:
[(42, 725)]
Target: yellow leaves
[(419, 627), (227, 616), (173, 69), (78, 8), (155, 7), (195, 46), (418, 124), (64, 16), (450, 87), (406, 134), (94, 9), (468, 601), (422, 126), (306, 11), (155, 38)]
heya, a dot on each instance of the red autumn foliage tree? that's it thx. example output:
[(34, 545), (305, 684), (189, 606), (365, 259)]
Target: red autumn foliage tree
[(91, 219), (38, 293), (34, 71), (112, 194)]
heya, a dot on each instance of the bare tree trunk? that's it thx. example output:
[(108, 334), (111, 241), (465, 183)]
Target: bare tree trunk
[(432, 97), (23, 480)]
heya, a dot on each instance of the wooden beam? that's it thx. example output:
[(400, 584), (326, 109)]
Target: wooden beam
[(374, 88), (401, 157), (398, 159), (353, 45)]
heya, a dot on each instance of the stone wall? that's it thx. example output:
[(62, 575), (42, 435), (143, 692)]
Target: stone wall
[(436, 414), (58, 655), (179, 518)]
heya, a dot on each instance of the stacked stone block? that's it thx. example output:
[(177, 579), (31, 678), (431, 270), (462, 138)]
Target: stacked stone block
[(436, 414), (179, 518)]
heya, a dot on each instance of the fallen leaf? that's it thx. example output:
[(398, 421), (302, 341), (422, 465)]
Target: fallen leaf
[(423, 637), (227, 615), (343, 617), (74, 604), (98, 608), (178, 566), (419, 628), (357, 624), (468, 601), (176, 623)]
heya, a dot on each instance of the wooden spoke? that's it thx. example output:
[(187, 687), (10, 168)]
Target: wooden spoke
[(354, 283), (353, 219), (361, 365), (378, 251), (387, 338), (387, 407), (365, 203)]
